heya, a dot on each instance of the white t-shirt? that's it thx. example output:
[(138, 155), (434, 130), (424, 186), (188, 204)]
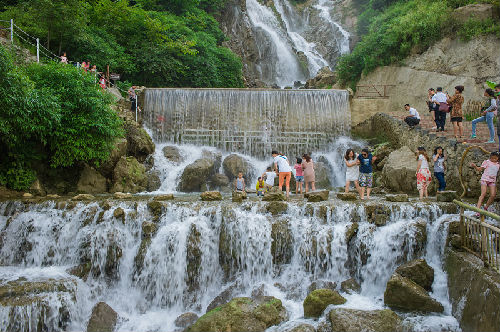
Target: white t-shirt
[(270, 178), (424, 164), (414, 113), (282, 162), (439, 97)]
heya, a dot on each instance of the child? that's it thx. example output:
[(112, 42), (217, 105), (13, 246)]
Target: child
[(260, 187), (439, 167), (269, 175), (239, 183), (366, 172), (423, 174), (488, 179), (352, 171), (299, 176)]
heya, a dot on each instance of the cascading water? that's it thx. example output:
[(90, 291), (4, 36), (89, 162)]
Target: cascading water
[(197, 250)]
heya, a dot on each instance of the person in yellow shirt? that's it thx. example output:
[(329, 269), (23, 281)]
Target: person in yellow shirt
[(260, 187)]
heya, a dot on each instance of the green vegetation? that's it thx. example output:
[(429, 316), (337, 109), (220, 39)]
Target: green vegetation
[(51, 114), (151, 42), (391, 30)]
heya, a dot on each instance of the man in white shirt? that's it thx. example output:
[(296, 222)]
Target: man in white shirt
[(282, 166), (440, 98), (414, 118)]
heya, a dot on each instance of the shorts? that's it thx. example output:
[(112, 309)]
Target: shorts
[(299, 178), (488, 183), (457, 119), (423, 178), (366, 180)]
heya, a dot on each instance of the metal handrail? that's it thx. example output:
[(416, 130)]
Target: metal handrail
[(478, 237)]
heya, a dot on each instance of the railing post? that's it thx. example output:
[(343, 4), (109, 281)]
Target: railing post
[(484, 244), (38, 50), (462, 226), (12, 31)]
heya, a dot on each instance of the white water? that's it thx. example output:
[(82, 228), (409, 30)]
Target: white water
[(151, 298), (325, 6)]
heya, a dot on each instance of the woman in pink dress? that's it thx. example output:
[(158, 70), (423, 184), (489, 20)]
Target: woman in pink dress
[(309, 178)]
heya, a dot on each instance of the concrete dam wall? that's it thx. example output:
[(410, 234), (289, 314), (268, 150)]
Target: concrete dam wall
[(248, 121)]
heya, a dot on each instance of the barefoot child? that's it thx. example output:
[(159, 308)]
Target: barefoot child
[(423, 173), (366, 160), (439, 167), (352, 171), (260, 187), (239, 183), (488, 179), (269, 175), (299, 176)]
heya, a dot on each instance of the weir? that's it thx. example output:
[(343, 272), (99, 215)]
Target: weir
[(252, 122)]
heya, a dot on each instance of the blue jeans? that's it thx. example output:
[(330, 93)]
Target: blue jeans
[(442, 182), (488, 118)]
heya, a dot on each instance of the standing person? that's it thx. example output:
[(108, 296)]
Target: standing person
[(309, 174), (64, 59), (456, 101), (132, 96), (488, 115), (84, 66), (432, 106), (423, 173), (284, 170), (352, 171), (440, 99), (366, 160), (102, 82), (239, 183), (488, 179), (260, 188), (414, 118), (439, 167), (299, 176), (269, 175)]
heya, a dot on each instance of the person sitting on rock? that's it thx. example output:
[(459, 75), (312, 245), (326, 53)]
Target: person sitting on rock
[(239, 183), (260, 187), (414, 118), (269, 175)]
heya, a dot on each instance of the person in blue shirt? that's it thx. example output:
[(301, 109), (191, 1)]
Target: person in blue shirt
[(366, 160)]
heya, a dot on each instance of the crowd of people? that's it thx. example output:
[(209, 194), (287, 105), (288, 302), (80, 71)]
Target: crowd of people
[(441, 103)]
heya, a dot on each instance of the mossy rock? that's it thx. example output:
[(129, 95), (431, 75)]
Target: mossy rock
[(276, 208), (351, 320), (156, 209), (242, 314), (129, 176), (347, 196), (272, 196), (317, 196), (103, 318), (351, 232), (211, 196), (282, 244), (165, 197), (350, 286), (419, 272), (317, 301), (119, 213)]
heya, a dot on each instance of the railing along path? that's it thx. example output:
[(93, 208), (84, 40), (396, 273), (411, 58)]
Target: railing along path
[(479, 237)]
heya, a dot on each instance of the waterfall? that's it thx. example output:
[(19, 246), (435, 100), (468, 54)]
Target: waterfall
[(201, 249), (252, 122)]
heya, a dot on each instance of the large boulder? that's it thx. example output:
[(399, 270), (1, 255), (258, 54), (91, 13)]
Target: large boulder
[(172, 153), (140, 145), (274, 195), (103, 318), (317, 301), (209, 196), (91, 182), (324, 79), (350, 286), (322, 175), (119, 150), (403, 294), (399, 171), (419, 272), (242, 314), (129, 176), (186, 319), (154, 181), (317, 196), (197, 175), (479, 12), (233, 164), (351, 320)]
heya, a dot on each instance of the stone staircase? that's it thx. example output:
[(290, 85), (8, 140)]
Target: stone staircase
[(482, 133)]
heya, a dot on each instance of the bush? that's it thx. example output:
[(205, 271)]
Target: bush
[(474, 27)]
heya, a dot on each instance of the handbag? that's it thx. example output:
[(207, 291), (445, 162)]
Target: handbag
[(444, 107)]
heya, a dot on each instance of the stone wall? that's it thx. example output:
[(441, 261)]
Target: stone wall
[(386, 128), (363, 108), (474, 292)]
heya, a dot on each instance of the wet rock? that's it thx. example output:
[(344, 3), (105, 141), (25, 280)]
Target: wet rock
[(186, 319), (81, 271), (140, 145), (129, 176), (351, 320), (350, 286), (216, 156), (301, 328), (102, 319), (276, 207), (282, 244), (317, 196), (153, 179), (420, 239), (211, 196), (242, 314), (456, 241), (233, 164), (119, 213), (220, 180), (347, 196), (272, 196), (239, 196), (322, 174), (197, 175), (172, 154), (91, 182), (396, 197), (351, 232), (83, 197), (119, 150), (193, 261), (142, 251), (221, 299), (149, 229), (165, 197), (317, 301), (403, 294), (113, 255), (446, 196), (321, 284), (419, 272), (258, 293), (156, 209), (120, 195), (398, 173)]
